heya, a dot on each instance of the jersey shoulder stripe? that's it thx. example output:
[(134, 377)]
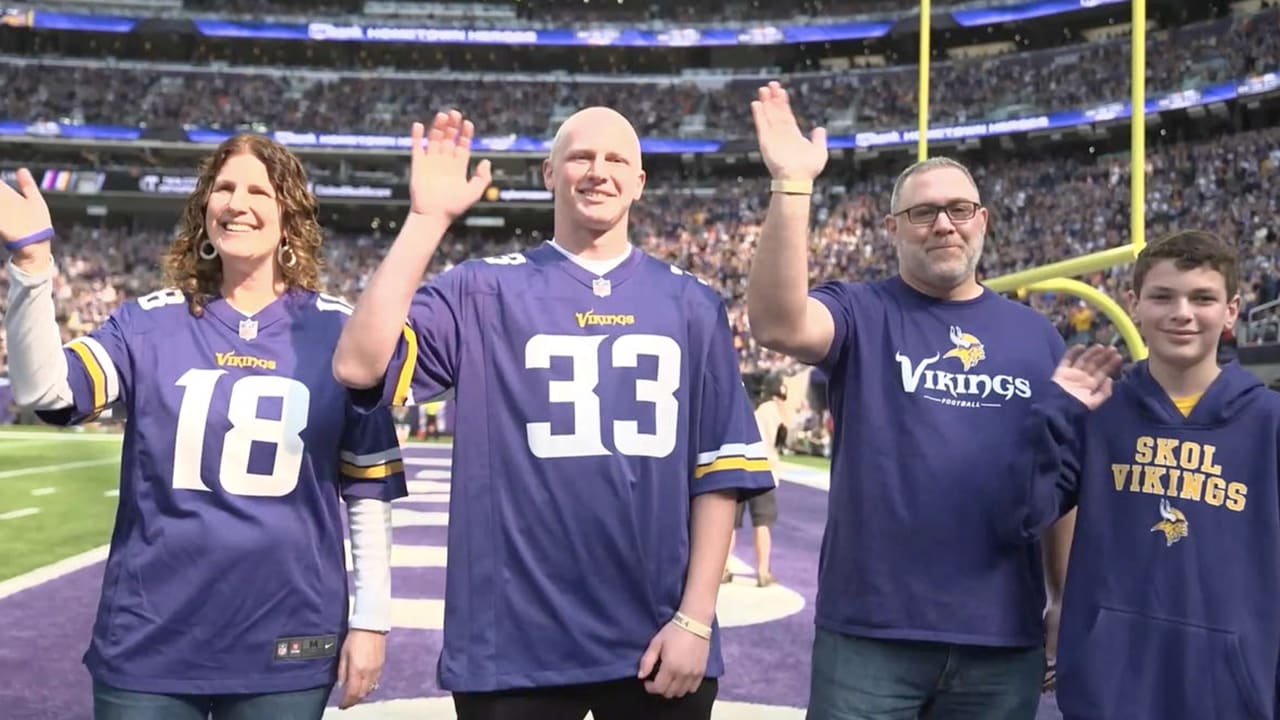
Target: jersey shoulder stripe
[(103, 376), (733, 456)]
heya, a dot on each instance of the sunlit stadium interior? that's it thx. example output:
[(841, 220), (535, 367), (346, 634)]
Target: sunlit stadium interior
[(112, 104)]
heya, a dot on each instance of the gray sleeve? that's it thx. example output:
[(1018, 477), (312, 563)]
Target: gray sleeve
[(37, 365)]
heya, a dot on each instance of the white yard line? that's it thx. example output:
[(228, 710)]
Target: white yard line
[(15, 514), (44, 491), (39, 576), (429, 461), (55, 468), (9, 444), (56, 437)]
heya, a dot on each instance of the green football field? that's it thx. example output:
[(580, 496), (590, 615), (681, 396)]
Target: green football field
[(811, 461), (58, 494)]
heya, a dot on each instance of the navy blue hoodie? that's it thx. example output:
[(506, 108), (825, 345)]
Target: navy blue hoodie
[(1172, 605)]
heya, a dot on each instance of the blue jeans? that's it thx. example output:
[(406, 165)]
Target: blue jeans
[(111, 703), (857, 678)]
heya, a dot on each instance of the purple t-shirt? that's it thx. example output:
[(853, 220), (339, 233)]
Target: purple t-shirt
[(928, 396)]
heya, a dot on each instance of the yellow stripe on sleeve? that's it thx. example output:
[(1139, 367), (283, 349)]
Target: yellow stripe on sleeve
[(373, 472), (404, 382), (97, 378), (732, 463)]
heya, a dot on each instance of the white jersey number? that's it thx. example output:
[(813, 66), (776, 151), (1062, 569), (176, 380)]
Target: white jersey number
[(161, 298), (514, 258), (580, 392), (246, 428)]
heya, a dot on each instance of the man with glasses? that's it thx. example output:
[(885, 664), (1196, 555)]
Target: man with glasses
[(921, 612)]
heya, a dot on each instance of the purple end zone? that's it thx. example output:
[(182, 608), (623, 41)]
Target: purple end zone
[(44, 630), (43, 634)]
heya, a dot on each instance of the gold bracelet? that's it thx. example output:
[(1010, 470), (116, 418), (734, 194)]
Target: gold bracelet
[(792, 187), (684, 622)]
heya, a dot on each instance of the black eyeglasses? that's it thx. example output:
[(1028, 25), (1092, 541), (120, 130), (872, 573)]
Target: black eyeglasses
[(959, 211)]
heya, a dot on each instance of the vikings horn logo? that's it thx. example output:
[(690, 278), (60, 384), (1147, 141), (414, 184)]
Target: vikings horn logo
[(968, 349), (1173, 524)]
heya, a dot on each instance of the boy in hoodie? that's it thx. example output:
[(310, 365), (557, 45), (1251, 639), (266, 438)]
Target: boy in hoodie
[(1172, 603)]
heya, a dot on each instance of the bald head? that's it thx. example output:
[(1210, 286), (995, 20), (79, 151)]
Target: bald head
[(598, 126), (594, 174)]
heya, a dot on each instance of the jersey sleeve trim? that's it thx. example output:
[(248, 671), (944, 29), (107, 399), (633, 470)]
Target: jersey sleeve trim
[(403, 394), (329, 303), (103, 377), (733, 456), (373, 466)]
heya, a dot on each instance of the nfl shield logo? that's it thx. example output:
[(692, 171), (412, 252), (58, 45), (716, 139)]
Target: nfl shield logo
[(601, 287), (248, 329)]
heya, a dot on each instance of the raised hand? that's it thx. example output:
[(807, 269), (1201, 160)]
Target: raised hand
[(438, 183), (786, 151), (1086, 373), (24, 218)]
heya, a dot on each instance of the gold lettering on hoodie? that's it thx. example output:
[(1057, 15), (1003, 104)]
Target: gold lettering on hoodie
[(1182, 469)]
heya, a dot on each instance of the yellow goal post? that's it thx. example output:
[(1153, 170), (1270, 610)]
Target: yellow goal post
[(1060, 276)]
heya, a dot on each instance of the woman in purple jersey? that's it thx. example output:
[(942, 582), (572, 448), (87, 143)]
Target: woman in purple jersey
[(221, 619)]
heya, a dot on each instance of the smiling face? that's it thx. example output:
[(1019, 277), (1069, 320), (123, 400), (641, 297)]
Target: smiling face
[(594, 172), (1183, 313), (940, 255), (242, 215), (1184, 297), (251, 195)]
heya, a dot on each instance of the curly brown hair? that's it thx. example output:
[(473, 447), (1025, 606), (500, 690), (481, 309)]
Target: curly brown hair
[(200, 279)]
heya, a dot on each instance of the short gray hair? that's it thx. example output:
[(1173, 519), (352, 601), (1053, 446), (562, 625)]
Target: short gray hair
[(937, 162)]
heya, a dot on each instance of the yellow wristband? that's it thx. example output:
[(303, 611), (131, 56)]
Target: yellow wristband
[(792, 187), (684, 622)]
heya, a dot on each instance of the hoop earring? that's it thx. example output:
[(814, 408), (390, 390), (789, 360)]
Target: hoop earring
[(285, 255), (207, 250)]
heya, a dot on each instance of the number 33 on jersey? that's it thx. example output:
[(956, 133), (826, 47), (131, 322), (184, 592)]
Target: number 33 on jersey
[(589, 411), (558, 368)]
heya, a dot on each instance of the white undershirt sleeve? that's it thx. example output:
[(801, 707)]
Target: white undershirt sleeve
[(370, 521)]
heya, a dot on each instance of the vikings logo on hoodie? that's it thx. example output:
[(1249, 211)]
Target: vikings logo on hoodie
[(1153, 627), (1172, 523)]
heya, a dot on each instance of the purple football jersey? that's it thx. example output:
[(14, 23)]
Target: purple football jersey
[(589, 411), (227, 571)]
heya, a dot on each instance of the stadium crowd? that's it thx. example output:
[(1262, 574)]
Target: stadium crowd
[(1041, 211), (1017, 84)]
